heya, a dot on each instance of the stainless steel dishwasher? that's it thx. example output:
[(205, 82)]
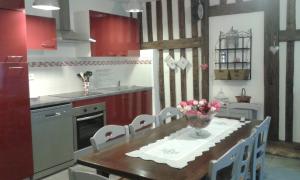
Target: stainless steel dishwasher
[(52, 139)]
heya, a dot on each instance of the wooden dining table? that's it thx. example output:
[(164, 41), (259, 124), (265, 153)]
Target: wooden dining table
[(113, 159)]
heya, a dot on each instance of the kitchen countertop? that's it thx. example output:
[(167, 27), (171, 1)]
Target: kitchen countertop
[(57, 99)]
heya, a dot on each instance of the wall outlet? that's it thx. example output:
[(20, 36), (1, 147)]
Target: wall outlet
[(31, 77)]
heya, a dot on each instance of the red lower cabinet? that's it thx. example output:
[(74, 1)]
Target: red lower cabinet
[(123, 108), (15, 128)]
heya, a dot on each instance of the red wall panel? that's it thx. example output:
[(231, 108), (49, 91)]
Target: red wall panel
[(115, 35), (41, 33)]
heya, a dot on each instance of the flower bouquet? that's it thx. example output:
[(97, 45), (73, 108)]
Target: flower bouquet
[(199, 113)]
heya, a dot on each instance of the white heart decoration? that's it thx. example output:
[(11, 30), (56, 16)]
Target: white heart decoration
[(274, 49)]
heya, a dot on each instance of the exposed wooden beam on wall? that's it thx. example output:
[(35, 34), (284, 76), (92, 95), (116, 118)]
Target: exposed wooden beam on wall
[(173, 44), (205, 49), (289, 35), (149, 21), (289, 100), (271, 65), (236, 8), (140, 21), (171, 52), (159, 25), (289, 97), (181, 14), (194, 19)]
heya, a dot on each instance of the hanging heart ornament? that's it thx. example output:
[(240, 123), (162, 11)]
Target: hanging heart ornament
[(274, 49)]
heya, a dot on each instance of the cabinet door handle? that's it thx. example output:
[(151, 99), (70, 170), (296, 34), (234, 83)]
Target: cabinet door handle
[(16, 58), (15, 67), (52, 115), (89, 117)]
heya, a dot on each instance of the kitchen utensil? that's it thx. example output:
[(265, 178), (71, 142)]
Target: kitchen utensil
[(78, 75), (87, 75), (82, 75), (243, 98)]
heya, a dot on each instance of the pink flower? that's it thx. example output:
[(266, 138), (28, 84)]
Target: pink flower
[(215, 106), (190, 102), (195, 102), (183, 104), (203, 102)]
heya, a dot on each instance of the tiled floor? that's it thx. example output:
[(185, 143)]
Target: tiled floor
[(277, 168)]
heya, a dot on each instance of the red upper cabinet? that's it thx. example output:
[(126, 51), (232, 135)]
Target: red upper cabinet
[(41, 33), (12, 4), (114, 35), (12, 36)]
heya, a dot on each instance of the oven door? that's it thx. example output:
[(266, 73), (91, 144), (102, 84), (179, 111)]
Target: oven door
[(87, 126)]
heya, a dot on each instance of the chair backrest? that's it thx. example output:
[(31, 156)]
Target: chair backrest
[(141, 122), (168, 112), (230, 158), (79, 175), (108, 135), (245, 156), (259, 149), (262, 135)]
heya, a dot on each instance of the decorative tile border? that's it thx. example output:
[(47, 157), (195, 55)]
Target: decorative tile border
[(86, 63)]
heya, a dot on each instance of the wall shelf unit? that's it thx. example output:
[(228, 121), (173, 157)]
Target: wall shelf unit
[(234, 55)]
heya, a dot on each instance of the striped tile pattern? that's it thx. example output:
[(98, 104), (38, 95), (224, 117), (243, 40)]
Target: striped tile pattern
[(44, 64)]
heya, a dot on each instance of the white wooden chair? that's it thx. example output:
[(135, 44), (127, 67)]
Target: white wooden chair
[(231, 157), (79, 175), (259, 149), (245, 157), (108, 135), (166, 113), (142, 122)]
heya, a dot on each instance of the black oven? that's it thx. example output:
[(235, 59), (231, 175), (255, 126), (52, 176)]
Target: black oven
[(87, 121)]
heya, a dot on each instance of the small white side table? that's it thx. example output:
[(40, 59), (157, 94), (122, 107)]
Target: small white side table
[(239, 110)]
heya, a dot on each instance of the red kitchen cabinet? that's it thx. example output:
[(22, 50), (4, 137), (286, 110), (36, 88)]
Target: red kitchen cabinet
[(115, 35), (12, 36), (16, 160), (41, 33), (123, 108), (12, 4), (15, 131)]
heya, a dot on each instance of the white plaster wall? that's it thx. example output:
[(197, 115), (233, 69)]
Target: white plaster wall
[(282, 89), (153, 54), (296, 126), (255, 86)]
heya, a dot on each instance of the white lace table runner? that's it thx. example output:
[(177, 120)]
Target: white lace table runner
[(181, 147)]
